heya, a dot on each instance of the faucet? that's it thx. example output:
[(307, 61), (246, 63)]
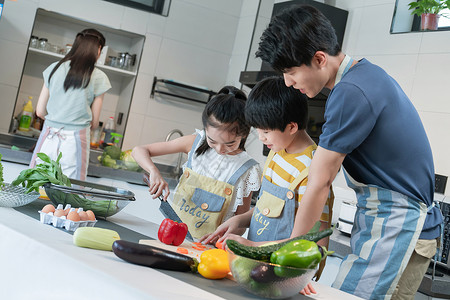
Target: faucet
[(169, 135)]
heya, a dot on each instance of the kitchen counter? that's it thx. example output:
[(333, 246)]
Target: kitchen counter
[(44, 260)]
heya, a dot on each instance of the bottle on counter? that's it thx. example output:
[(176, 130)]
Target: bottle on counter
[(110, 127), (27, 115)]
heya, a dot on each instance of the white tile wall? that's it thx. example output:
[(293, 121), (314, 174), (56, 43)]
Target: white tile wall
[(437, 125), (192, 64), (428, 92), (14, 26), (100, 12), (150, 54), (12, 59), (6, 92), (230, 7), (135, 21), (202, 27), (135, 127)]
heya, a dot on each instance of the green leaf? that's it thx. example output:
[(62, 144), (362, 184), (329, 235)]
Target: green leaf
[(44, 157)]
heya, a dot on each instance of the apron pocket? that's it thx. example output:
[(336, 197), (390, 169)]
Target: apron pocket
[(208, 201), (270, 205)]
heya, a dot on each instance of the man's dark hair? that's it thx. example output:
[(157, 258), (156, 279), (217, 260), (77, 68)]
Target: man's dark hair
[(294, 36), (272, 105)]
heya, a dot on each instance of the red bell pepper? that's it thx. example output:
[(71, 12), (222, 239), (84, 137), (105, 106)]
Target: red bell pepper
[(171, 232)]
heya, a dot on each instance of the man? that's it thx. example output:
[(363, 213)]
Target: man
[(374, 131)]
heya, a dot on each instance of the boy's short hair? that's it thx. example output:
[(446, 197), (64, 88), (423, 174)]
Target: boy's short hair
[(272, 105), (294, 36)]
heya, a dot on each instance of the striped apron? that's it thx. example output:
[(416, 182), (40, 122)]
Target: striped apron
[(74, 146), (385, 231)]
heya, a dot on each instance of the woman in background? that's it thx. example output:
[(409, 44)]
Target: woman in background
[(70, 102)]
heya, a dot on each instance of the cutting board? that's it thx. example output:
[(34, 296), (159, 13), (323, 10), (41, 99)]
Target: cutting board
[(190, 246)]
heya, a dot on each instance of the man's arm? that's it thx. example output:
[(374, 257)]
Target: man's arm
[(324, 167)]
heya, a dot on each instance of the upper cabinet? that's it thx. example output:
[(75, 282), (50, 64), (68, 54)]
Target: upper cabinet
[(52, 36)]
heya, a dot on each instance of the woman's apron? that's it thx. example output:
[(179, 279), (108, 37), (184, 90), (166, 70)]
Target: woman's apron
[(274, 214), (385, 231), (202, 202), (74, 146)]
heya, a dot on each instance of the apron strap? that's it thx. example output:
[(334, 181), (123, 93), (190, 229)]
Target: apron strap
[(192, 152), (303, 174), (343, 68), (239, 172), (268, 160)]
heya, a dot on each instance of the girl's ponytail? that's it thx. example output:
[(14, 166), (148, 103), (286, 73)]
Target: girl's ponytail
[(226, 111)]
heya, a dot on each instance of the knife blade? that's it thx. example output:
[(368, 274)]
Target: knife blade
[(166, 209)]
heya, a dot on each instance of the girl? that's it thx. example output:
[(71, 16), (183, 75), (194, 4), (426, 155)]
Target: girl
[(70, 102), (219, 177)]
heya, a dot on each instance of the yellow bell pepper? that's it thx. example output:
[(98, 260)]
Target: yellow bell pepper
[(214, 264)]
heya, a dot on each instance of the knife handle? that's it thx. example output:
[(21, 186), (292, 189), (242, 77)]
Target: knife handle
[(146, 178)]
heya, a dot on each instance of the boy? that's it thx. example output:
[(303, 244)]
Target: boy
[(374, 131), (280, 115)]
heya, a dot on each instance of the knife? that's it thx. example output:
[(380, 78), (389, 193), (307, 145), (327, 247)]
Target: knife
[(167, 210)]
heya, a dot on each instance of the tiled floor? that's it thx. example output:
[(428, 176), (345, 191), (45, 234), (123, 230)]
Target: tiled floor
[(331, 270)]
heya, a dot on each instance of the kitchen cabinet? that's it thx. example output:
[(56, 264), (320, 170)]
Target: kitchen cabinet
[(60, 30)]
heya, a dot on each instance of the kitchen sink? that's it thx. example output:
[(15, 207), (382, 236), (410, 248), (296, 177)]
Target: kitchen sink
[(21, 143), (23, 151)]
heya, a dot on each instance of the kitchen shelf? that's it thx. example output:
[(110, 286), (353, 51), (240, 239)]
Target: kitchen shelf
[(60, 56), (183, 86)]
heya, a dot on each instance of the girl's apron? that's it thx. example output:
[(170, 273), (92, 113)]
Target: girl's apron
[(385, 231), (202, 202), (274, 214), (74, 146)]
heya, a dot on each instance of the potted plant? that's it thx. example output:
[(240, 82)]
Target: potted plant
[(429, 12)]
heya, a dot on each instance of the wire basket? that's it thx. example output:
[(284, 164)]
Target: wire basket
[(103, 200), (15, 196)]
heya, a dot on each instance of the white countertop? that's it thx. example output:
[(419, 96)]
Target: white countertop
[(39, 261)]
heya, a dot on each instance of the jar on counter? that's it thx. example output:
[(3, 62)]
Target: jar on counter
[(34, 41), (43, 44)]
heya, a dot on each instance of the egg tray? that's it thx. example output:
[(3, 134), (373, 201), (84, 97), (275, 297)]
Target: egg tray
[(63, 222)]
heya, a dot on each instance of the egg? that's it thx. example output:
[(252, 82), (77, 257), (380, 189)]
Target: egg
[(59, 213), (83, 216), (91, 215), (74, 216), (48, 208)]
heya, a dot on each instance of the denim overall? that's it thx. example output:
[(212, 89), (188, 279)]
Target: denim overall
[(202, 202), (385, 231), (274, 214)]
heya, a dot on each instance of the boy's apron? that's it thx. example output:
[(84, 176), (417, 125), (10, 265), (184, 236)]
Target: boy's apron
[(274, 214), (202, 202), (385, 231), (74, 146)]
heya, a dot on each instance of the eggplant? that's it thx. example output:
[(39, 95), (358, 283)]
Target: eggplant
[(154, 257), (263, 273)]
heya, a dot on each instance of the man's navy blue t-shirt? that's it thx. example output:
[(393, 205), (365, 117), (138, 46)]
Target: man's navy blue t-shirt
[(370, 119)]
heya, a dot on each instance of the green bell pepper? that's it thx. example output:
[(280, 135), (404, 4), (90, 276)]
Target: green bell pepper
[(301, 254)]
